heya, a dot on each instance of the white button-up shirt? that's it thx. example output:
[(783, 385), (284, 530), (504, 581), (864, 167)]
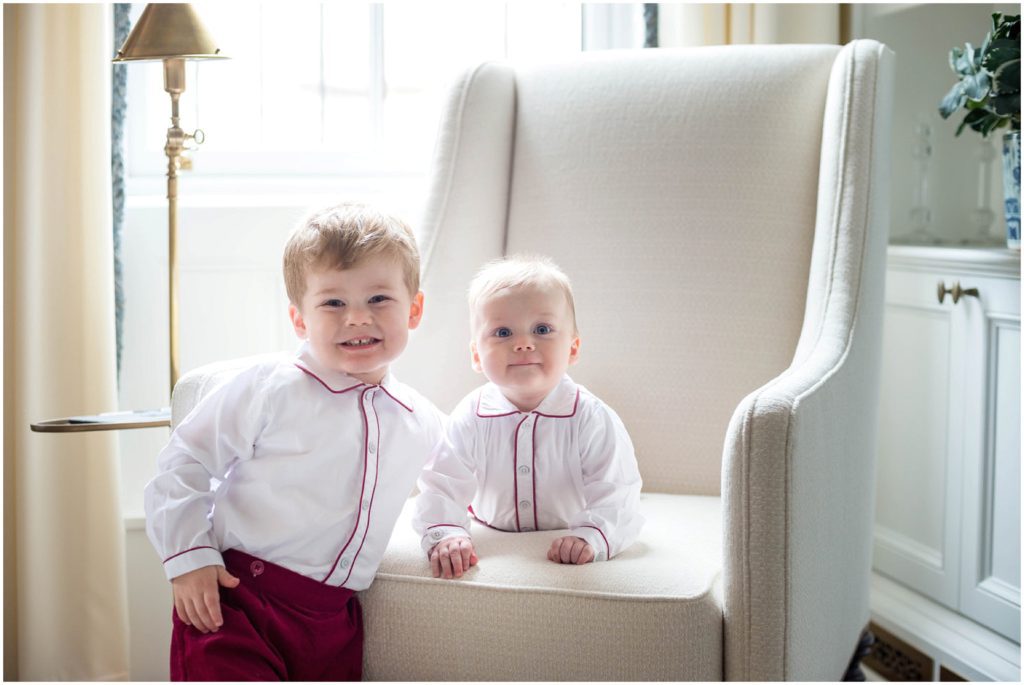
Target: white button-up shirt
[(569, 463), (314, 468)]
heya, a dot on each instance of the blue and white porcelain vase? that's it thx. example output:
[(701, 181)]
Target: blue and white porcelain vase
[(1011, 188)]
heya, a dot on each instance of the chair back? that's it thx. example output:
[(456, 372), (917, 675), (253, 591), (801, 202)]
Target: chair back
[(677, 188)]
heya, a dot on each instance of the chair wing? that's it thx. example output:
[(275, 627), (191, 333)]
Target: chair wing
[(799, 464)]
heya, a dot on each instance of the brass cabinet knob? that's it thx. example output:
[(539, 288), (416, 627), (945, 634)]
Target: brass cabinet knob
[(956, 291)]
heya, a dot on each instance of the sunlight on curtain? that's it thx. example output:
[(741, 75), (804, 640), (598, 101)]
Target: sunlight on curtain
[(65, 613), (686, 25)]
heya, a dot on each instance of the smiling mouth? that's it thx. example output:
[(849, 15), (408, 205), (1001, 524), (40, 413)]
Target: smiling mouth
[(357, 343)]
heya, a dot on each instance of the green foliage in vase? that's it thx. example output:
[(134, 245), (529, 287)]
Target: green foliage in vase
[(989, 85)]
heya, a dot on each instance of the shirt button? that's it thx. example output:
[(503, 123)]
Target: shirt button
[(345, 562), (373, 448), (524, 504), (366, 504), (436, 535), (524, 469)]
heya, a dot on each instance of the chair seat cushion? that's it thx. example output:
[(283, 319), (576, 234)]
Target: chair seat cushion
[(652, 613)]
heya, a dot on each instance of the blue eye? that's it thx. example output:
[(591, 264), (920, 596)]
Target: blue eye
[(503, 332), (377, 299), (543, 329)]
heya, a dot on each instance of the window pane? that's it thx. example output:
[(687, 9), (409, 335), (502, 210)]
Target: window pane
[(426, 46), (348, 118), (543, 31), (291, 76), (224, 95)]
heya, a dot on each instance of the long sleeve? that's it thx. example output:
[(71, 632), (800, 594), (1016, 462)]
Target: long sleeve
[(611, 519), (221, 430), (446, 488)]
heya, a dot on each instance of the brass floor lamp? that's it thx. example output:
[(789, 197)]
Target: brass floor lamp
[(173, 33)]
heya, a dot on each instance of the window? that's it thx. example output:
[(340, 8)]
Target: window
[(333, 88)]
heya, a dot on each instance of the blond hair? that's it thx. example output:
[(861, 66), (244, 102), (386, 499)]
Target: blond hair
[(517, 271), (343, 236)]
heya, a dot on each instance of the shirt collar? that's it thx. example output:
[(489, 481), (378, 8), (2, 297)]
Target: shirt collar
[(560, 403), (339, 382)]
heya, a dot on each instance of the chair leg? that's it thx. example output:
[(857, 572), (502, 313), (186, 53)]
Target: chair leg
[(854, 673)]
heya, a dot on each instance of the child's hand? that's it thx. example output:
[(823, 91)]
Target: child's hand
[(570, 549), (452, 557), (197, 597)]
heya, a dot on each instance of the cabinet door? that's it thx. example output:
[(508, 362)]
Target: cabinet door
[(917, 534), (990, 543)]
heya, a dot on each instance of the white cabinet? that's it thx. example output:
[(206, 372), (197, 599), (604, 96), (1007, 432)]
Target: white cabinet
[(948, 496)]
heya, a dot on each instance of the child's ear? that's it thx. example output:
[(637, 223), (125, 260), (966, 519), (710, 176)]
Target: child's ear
[(298, 323), (574, 350), (416, 310), (475, 357)]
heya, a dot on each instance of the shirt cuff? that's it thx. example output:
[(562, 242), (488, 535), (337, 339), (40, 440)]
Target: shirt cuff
[(191, 559), (596, 539), (436, 534)]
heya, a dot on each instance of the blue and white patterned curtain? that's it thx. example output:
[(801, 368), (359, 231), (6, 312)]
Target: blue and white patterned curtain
[(650, 24), (119, 80)]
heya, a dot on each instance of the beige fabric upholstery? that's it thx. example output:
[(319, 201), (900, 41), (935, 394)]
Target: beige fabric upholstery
[(626, 620), (722, 212), (798, 477)]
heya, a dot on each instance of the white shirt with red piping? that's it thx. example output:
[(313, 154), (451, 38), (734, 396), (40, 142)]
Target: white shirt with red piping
[(314, 468), (568, 464)]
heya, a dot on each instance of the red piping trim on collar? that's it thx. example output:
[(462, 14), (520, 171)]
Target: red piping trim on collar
[(191, 549), (353, 387), (606, 545), (302, 368), (575, 404), (407, 408), (491, 416)]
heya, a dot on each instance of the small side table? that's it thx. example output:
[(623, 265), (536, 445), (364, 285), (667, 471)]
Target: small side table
[(123, 420)]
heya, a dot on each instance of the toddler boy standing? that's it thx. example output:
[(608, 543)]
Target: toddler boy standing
[(531, 449), (316, 453)]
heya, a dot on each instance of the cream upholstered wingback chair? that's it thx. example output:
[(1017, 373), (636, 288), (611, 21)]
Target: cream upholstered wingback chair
[(722, 213)]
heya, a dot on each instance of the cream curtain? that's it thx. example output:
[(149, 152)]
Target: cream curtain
[(65, 607), (683, 25)]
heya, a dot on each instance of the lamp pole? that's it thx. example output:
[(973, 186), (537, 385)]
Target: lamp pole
[(174, 84)]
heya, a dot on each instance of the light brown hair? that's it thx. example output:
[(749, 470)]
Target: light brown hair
[(517, 271), (342, 236)]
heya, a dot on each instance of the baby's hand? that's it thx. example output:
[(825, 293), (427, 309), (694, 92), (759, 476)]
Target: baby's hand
[(197, 597), (570, 549), (452, 557)]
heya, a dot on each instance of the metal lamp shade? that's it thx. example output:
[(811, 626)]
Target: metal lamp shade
[(168, 31)]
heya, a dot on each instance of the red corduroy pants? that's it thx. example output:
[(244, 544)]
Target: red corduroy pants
[(278, 625)]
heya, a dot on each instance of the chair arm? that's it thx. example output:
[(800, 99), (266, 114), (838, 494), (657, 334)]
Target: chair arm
[(798, 462), (201, 381)]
